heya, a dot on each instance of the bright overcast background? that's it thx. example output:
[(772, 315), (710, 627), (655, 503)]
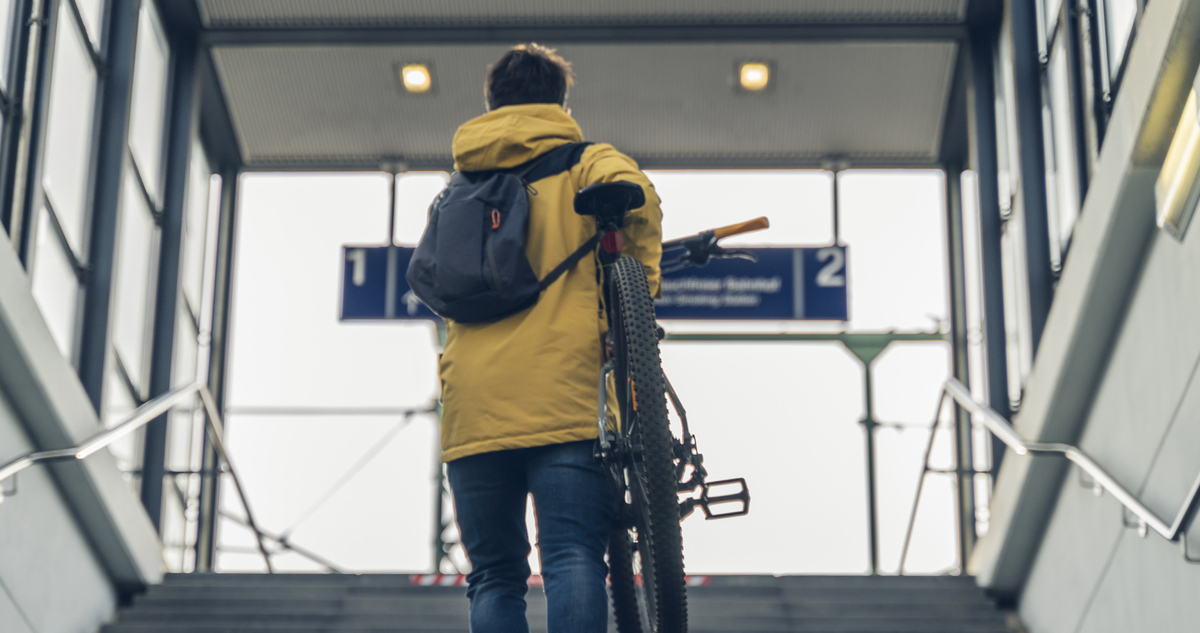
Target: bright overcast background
[(783, 415)]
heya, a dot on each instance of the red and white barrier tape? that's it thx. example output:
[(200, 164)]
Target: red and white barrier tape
[(460, 580)]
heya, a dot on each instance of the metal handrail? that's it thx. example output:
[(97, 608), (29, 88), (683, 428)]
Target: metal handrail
[(142, 416), (998, 426)]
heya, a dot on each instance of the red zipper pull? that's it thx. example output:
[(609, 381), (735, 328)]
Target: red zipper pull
[(495, 219)]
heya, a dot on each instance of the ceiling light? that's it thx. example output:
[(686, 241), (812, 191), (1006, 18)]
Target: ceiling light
[(416, 78), (754, 76), (1176, 192)]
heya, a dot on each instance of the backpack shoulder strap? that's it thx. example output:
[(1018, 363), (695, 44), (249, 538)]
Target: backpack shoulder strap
[(569, 262), (553, 162)]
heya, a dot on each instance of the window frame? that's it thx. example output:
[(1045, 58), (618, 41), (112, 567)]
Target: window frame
[(140, 389), (39, 196)]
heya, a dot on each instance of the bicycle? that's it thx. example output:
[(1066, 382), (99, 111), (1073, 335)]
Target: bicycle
[(648, 465)]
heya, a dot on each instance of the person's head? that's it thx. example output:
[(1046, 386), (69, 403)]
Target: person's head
[(527, 73)]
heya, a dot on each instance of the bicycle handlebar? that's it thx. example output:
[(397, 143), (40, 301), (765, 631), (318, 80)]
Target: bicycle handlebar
[(709, 237), (757, 224)]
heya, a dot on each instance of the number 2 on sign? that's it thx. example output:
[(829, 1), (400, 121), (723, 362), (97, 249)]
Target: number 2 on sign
[(830, 275)]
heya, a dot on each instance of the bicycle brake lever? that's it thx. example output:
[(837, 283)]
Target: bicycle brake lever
[(734, 254)]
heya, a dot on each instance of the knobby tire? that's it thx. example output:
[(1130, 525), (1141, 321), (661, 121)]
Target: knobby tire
[(652, 479)]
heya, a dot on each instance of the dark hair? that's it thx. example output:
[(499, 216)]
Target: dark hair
[(528, 73)]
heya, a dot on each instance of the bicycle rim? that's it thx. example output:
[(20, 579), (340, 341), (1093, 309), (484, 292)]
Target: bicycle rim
[(651, 480)]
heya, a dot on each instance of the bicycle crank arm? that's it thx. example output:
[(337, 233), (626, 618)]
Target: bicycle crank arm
[(707, 501)]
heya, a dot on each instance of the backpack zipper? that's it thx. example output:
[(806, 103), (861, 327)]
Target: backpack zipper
[(491, 254)]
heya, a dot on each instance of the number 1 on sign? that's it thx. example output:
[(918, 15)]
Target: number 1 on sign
[(358, 257), (831, 274)]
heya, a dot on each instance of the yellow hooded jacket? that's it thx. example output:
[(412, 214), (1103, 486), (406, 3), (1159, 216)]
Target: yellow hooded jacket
[(530, 379)]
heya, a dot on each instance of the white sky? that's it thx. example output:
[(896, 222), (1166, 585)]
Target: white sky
[(784, 416)]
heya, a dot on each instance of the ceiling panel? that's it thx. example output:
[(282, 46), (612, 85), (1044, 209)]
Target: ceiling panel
[(318, 13), (664, 104)]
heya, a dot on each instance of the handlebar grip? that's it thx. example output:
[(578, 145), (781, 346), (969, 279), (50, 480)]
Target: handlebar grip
[(756, 224)]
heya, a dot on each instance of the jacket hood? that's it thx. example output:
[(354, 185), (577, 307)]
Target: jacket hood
[(512, 135)]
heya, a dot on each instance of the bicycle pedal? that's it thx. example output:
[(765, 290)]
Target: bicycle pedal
[(741, 497)]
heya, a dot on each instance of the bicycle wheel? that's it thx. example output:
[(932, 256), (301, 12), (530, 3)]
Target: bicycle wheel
[(659, 605)]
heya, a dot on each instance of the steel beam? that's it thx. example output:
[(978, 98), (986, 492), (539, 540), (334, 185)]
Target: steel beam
[(216, 124), (598, 33), (1028, 98), (645, 162), (27, 176), (22, 45), (985, 163), (180, 124), (960, 362), (851, 340), (116, 93)]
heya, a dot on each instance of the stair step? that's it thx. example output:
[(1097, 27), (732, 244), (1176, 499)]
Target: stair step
[(391, 603)]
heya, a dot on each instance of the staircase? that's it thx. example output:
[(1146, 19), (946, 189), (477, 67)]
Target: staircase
[(386, 603)]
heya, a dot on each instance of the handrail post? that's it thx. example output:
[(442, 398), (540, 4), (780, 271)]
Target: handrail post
[(206, 523), (912, 517), (215, 433), (145, 414)]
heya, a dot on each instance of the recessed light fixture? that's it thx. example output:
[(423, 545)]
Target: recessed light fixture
[(416, 78), (754, 76), (1176, 193)]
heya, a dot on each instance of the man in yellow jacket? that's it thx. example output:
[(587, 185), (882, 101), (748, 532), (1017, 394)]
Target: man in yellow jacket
[(519, 394)]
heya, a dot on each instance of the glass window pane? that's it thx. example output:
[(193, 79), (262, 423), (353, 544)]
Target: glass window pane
[(149, 100), (55, 286), (1006, 121), (1049, 126), (184, 443), (187, 347), (6, 20), (1016, 306), (69, 131), (92, 12), (1119, 15), (195, 226), (1065, 143), (135, 247), (119, 404), (1052, 8)]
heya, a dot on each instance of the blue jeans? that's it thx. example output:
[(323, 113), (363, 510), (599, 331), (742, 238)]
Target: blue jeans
[(573, 502)]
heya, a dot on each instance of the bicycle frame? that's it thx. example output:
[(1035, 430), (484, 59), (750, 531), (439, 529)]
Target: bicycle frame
[(613, 449)]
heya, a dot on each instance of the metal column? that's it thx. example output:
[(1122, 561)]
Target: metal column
[(180, 124), (25, 63), (112, 147), (984, 161), (1028, 98), (219, 356), (867, 349), (960, 363), (26, 167)]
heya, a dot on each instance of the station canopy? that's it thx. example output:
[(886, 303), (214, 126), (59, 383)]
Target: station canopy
[(314, 84)]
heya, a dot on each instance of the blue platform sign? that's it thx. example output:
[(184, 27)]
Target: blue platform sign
[(373, 285), (784, 284)]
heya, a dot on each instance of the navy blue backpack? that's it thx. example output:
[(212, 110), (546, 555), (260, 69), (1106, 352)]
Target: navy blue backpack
[(470, 265)]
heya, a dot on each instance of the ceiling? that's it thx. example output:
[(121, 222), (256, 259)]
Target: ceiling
[(308, 13), (312, 84)]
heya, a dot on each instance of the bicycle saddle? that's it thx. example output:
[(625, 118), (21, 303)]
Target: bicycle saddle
[(609, 201)]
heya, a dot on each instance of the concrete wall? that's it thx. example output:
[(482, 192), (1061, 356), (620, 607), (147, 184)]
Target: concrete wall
[(1091, 573), (74, 536), (50, 581), (1116, 374)]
